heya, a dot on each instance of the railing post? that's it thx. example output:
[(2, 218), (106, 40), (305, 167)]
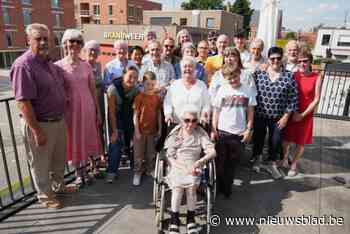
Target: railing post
[(13, 139)]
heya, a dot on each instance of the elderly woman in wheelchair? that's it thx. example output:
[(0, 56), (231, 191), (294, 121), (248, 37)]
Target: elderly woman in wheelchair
[(184, 147)]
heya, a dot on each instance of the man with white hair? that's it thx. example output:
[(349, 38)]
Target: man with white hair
[(214, 63), (115, 68), (39, 91), (256, 60), (164, 71), (292, 49)]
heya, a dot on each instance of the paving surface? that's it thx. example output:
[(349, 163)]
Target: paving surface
[(123, 209)]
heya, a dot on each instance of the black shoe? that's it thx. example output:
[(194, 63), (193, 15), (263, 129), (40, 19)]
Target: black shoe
[(191, 223), (174, 227)]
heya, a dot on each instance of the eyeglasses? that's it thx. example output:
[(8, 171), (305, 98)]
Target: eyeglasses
[(169, 46), (203, 48), (190, 120), (75, 41), (279, 58), (303, 61)]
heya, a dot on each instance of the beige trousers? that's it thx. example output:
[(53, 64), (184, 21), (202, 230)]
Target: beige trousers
[(144, 153), (47, 162)]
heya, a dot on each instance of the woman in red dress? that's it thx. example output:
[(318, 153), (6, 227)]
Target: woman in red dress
[(299, 128)]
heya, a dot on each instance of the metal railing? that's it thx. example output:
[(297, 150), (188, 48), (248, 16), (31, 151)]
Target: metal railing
[(335, 94), (16, 183)]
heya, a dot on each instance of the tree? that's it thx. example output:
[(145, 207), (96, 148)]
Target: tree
[(290, 36), (242, 7), (203, 5)]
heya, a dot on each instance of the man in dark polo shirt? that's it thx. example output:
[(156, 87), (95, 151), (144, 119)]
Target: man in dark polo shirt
[(38, 85)]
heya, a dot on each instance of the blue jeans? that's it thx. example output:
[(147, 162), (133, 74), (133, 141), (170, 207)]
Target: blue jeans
[(115, 151)]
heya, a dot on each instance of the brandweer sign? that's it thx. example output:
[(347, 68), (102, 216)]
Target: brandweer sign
[(123, 36)]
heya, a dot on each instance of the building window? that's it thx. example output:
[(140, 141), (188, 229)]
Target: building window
[(9, 38), (139, 13), (55, 3), (161, 20), (27, 2), (57, 20), (96, 9), (6, 15), (58, 38), (27, 16), (110, 21), (344, 41), (97, 21), (110, 10), (326, 39), (183, 21), (210, 23), (131, 11)]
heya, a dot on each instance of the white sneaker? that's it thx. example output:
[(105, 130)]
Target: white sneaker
[(257, 164), (137, 179), (273, 170), (292, 173)]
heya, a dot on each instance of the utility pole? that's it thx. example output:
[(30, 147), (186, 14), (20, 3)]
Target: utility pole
[(346, 18)]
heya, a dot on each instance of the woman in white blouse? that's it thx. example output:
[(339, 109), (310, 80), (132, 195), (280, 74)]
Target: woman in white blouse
[(187, 90)]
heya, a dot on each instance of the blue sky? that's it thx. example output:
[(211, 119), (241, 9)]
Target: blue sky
[(298, 14)]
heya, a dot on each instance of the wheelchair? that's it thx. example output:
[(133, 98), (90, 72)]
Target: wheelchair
[(206, 194)]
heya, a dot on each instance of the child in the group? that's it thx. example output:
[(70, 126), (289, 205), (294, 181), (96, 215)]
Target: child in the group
[(233, 118), (147, 122)]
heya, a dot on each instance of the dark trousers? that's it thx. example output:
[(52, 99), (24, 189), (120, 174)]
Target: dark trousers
[(229, 150), (261, 125)]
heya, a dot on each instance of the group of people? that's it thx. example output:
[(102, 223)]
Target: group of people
[(163, 95)]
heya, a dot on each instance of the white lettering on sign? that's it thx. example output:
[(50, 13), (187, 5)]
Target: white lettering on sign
[(123, 36)]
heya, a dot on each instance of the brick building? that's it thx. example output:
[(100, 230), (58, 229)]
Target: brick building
[(112, 11), (58, 15), (218, 20)]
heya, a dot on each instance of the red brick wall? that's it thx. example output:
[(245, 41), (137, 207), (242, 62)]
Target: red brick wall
[(41, 13)]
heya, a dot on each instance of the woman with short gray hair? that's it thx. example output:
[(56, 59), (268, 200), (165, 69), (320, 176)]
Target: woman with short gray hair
[(184, 146), (82, 113)]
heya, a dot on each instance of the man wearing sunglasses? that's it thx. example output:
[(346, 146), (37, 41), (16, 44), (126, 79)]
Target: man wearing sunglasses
[(168, 51), (212, 38)]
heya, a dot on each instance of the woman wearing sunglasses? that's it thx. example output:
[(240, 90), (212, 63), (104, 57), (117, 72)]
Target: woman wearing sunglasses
[(299, 128), (82, 115), (276, 100), (184, 146)]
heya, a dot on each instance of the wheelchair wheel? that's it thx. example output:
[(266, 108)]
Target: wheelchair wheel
[(212, 179), (208, 211), (155, 182), (161, 220)]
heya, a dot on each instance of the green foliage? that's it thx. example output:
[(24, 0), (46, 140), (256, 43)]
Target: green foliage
[(203, 5), (281, 43), (242, 7), (290, 36)]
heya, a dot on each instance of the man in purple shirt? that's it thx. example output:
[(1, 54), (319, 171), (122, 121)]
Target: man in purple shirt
[(38, 85)]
